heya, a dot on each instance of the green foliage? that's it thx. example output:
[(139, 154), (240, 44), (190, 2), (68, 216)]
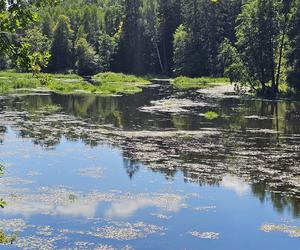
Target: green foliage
[(107, 46), (16, 15), (132, 47), (87, 61), (1, 169), (7, 239), (198, 83), (47, 26), (206, 29), (44, 79), (233, 67), (72, 197), (5, 61), (261, 39), (256, 36), (180, 46), (10, 81), (61, 49), (211, 115), (293, 77), (111, 78), (34, 52), (254, 43), (105, 83)]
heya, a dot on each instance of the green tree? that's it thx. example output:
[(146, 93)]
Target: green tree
[(294, 53), (34, 51), (180, 48), (91, 24), (113, 17), (261, 41), (17, 15), (207, 24), (87, 61), (257, 34), (285, 22), (107, 48), (131, 51), (169, 14), (149, 12), (61, 49), (47, 26)]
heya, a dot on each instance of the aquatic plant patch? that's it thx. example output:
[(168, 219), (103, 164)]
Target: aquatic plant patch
[(198, 83), (292, 231), (103, 83), (211, 115), (173, 105), (205, 235)]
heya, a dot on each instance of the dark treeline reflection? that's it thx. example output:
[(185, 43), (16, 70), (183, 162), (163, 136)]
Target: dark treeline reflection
[(254, 140), (2, 132)]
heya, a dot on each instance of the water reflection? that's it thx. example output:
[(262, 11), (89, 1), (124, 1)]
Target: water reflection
[(65, 202), (254, 140), (236, 184), (252, 148)]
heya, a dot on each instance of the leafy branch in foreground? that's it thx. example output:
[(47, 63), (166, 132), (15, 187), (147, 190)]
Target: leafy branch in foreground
[(7, 239)]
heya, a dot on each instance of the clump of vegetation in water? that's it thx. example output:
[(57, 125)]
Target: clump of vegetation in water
[(292, 231), (7, 239), (12, 80), (109, 83), (183, 82), (72, 197), (104, 83), (2, 203), (211, 115), (110, 77)]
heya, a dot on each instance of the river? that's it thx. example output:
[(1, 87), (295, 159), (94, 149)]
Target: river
[(150, 171)]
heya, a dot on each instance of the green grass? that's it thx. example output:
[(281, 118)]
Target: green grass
[(110, 77), (183, 82), (104, 83)]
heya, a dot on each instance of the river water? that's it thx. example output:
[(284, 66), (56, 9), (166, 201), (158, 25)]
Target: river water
[(150, 171)]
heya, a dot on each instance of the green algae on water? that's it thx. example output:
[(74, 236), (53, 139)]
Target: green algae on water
[(211, 115)]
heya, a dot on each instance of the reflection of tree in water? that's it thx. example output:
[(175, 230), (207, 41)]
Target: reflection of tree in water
[(265, 160), (131, 167), (3, 130), (119, 111), (278, 199)]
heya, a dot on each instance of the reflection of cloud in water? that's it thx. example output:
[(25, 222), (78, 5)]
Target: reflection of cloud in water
[(236, 184), (63, 202), (28, 209), (127, 208)]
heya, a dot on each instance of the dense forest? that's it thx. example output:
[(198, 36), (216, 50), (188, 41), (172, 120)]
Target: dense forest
[(254, 42)]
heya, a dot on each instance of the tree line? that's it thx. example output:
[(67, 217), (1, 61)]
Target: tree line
[(253, 42)]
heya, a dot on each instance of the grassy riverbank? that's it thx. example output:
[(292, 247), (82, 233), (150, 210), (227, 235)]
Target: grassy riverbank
[(103, 83)]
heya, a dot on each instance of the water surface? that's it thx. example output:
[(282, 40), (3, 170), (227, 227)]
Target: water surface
[(149, 171)]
